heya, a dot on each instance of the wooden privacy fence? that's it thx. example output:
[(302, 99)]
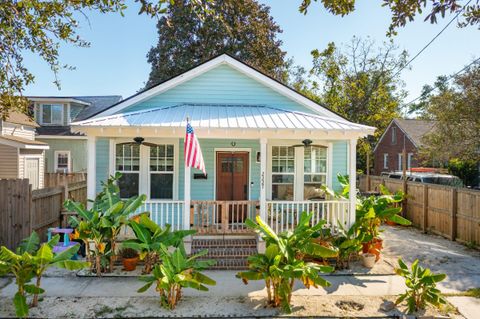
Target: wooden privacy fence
[(58, 179), (23, 210), (447, 211)]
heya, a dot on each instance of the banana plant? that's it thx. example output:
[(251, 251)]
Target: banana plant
[(102, 223), (421, 284), (150, 237), (30, 261), (348, 242), (177, 271), (283, 263)]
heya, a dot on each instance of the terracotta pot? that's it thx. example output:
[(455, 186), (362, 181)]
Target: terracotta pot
[(374, 247), (390, 223), (129, 264), (368, 260)]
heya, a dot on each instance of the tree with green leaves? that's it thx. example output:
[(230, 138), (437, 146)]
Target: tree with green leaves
[(455, 109), (31, 260), (40, 27), (243, 29), (404, 12), (358, 81)]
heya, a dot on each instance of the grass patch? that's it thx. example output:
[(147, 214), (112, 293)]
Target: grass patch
[(472, 292)]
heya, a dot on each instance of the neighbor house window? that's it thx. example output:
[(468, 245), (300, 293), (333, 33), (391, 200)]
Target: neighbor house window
[(400, 161), (62, 161), (127, 162), (161, 171), (315, 171), (283, 172), (385, 160), (409, 160), (394, 135), (52, 114)]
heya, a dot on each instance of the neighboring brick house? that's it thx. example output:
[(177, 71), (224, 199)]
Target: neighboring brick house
[(389, 150)]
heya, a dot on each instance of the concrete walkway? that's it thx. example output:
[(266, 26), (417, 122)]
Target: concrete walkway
[(127, 286)]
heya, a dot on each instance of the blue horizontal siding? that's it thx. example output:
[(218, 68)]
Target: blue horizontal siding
[(339, 165), (221, 85), (102, 161)]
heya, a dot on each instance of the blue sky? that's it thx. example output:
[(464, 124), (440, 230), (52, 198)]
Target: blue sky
[(115, 63)]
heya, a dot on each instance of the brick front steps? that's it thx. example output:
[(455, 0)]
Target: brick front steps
[(229, 253)]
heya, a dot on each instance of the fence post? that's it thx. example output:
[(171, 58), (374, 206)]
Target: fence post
[(453, 230), (425, 208)]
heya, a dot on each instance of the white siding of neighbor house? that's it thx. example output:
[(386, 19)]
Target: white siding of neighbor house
[(8, 162), (18, 130)]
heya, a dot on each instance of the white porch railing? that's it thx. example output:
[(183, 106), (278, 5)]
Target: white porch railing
[(164, 212), (284, 215)]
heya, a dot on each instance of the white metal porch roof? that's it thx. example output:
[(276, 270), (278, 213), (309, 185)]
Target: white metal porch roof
[(216, 116)]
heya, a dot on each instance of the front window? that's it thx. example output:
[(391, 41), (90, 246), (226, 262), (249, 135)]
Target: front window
[(127, 162), (62, 161), (283, 172), (315, 172), (52, 114), (161, 171)]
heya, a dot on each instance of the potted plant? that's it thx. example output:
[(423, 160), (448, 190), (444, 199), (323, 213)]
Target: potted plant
[(129, 258), (368, 260)]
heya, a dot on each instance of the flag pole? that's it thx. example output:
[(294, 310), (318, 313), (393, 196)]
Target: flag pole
[(187, 193)]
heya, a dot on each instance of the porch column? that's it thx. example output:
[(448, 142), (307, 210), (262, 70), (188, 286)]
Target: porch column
[(353, 178), (263, 176), (91, 168), (261, 245), (186, 198)]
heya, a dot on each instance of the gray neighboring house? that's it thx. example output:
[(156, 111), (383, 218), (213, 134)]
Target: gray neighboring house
[(68, 150)]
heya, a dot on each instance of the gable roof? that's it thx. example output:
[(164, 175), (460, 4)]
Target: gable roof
[(414, 129), (209, 65), (20, 142), (235, 116), (20, 118)]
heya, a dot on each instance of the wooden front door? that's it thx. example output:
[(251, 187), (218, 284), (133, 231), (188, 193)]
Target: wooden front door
[(232, 183)]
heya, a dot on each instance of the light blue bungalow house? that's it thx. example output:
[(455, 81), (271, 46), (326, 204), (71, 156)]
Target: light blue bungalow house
[(267, 150)]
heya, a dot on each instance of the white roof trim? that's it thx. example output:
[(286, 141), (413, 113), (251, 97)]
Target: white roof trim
[(209, 65), (23, 145), (61, 137), (54, 99)]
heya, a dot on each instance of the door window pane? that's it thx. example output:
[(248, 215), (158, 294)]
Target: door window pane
[(128, 185)]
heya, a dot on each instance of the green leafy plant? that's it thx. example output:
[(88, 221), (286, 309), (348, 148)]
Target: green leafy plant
[(30, 261), (102, 223), (150, 237), (177, 271), (283, 260), (348, 242), (421, 284)]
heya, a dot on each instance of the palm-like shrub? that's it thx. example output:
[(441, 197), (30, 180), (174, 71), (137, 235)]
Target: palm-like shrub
[(150, 237), (283, 261), (30, 261), (102, 223), (175, 272), (421, 284)]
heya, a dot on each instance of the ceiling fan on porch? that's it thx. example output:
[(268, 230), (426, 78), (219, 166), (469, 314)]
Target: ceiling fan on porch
[(306, 143), (141, 141)]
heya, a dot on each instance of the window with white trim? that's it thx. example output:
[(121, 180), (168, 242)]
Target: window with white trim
[(51, 114), (315, 171), (400, 161), (127, 162), (62, 161), (283, 172), (162, 170), (385, 160), (394, 135), (409, 160)]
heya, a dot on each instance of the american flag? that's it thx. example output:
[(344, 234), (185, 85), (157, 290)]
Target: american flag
[(193, 152)]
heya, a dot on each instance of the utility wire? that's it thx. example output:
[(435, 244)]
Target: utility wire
[(431, 41), (434, 87)]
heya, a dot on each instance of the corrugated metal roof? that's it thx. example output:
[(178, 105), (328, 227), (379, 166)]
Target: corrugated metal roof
[(224, 116)]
